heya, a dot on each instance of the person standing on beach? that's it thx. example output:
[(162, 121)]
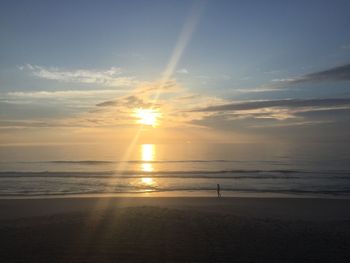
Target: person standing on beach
[(218, 190)]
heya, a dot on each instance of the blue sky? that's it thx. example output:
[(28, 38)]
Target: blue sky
[(59, 59)]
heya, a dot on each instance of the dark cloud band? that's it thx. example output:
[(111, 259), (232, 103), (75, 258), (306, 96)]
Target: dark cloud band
[(287, 103), (341, 73)]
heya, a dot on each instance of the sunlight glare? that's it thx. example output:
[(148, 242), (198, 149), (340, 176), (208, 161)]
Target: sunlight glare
[(148, 117)]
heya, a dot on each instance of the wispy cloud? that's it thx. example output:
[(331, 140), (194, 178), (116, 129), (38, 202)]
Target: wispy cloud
[(44, 94), (152, 88), (68, 101), (182, 71), (284, 80), (21, 124), (257, 90), (291, 124), (130, 102), (111, 77)]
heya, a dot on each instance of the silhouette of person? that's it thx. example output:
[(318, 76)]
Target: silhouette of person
[(218, 190)]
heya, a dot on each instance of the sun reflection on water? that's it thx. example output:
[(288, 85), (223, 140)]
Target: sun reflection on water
[(147, 152), (147, 181), (147, 156), (147, 167)]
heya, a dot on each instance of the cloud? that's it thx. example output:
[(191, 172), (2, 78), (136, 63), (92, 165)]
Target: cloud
[(155, 87), (107, 107), (257, 90), (273, 71), (174, 103), (285, 103), (335, 74), (107, 103), (44, 94), (109, 78), (55, 104), (77, 99), (291, 124), (341, 73), (130, 102), (144, 95), (286, 80), (179, 107), (182, 71), (300, 120), (21, 124)]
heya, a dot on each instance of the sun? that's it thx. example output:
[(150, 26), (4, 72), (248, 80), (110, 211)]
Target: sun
[(147, 116)]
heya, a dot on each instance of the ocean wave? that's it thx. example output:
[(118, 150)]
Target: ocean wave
[(102, 162), (217, 174)]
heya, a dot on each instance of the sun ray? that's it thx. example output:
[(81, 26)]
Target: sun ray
[(182, 42)]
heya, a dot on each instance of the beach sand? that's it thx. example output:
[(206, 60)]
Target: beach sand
[(189, 229)]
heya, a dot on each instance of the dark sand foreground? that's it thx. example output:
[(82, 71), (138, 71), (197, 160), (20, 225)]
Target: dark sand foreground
[(175, 230)]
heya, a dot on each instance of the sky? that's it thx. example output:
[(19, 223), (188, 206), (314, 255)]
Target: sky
[(211, 71)]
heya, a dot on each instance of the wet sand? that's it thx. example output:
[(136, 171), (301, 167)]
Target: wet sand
[(175, 230)]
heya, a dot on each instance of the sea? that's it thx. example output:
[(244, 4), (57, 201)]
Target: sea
[(241, 169)]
